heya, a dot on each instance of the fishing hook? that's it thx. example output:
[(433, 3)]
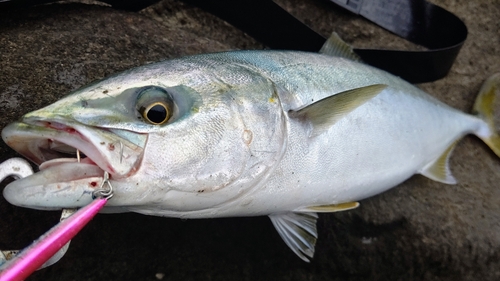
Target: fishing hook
[(102, 192)]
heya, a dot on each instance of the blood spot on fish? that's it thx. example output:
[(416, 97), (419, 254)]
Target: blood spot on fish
[(93, 184), (247, 136), (111, 147)]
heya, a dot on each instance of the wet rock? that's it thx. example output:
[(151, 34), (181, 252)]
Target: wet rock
[(421, 230)]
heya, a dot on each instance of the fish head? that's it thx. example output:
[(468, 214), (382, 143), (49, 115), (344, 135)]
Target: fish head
[(173, 139)]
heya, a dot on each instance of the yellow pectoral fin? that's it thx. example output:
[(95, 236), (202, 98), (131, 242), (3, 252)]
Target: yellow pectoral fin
[(439, 169), (331, 208)]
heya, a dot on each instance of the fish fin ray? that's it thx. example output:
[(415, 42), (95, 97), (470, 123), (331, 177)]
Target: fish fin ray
[(331, 208), (298, 231), (326, 112), (486, 102), (439, 169), (336, 47)]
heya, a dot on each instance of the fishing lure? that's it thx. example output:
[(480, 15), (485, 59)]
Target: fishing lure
[(51, 246)]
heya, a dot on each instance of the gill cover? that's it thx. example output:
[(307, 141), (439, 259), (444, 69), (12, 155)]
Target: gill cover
[(221, 149)]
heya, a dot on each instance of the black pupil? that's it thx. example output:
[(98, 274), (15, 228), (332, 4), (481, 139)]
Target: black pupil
[(157, 113)]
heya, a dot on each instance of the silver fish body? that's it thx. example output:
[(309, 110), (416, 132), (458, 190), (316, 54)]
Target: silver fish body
[(245, 138)]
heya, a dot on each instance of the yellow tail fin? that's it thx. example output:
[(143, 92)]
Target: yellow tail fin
[(487, 100)]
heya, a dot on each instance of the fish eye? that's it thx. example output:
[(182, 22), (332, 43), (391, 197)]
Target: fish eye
[(156, 113), (155, 105)]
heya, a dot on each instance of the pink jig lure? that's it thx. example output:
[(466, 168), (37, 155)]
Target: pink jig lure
[(31, 258)]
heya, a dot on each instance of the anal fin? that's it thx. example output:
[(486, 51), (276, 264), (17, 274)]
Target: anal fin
[(439, 169), (298, 230), (331, 208)]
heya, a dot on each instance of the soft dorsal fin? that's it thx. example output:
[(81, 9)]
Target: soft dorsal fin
[(336, 47), (439, 169), (326, 112), (298, 230), (331, 208)]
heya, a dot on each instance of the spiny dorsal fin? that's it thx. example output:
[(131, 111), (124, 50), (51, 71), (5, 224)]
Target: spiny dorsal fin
[(336, 47), (298, 230), (439, 169), (331, 208), (326, 112)]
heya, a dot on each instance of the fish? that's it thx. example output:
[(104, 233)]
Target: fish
[(282, 134)]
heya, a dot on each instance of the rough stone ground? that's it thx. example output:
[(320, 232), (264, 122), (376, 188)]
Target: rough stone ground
[(421, 230)]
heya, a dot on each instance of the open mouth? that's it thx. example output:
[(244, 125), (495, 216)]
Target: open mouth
[(72, 159), (49, 143)]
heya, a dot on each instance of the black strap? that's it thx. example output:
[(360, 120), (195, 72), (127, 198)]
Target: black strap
[(415, 20), (419, 22)]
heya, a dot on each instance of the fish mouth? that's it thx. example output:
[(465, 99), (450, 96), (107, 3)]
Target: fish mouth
[(72, 158)]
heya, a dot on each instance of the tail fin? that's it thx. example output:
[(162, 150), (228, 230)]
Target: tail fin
[(486, 103)]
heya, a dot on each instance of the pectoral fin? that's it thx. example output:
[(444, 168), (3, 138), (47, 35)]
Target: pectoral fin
[(331, 208), (298, 230), (326, 112), (439, 169)]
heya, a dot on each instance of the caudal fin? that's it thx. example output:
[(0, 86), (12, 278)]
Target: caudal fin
[(486, 102)]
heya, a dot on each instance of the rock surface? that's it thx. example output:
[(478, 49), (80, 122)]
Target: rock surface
[(421, 230)]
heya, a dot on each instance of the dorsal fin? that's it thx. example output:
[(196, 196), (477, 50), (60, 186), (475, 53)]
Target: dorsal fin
[(336, 47), (331, 208), (298, 230), (439, 169), (326, 112)]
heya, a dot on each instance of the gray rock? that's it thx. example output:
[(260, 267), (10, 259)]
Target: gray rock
[(420, 230)]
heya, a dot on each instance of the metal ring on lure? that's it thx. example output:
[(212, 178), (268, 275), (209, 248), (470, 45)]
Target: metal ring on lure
[(15, 167), (102, 192)]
